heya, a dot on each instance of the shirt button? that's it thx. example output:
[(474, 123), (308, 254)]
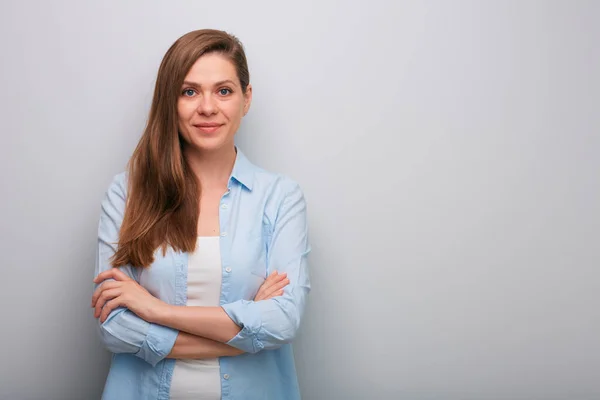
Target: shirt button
[(228, 269), (224, 206), (226, 376), (224, 234)]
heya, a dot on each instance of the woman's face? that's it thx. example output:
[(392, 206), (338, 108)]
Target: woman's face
[(211, 103)]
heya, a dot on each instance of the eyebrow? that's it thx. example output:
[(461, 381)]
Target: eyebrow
[(197, 85)]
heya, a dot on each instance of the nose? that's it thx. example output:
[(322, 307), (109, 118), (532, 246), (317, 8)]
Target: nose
[(206, 104)]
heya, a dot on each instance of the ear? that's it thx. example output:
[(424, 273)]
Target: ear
[(247, 99)]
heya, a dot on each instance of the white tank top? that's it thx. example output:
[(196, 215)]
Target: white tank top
[(200, 379)]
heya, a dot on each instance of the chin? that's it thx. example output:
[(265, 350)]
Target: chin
[(210, 144)]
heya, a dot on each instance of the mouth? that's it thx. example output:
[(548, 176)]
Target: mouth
[(208, 127)]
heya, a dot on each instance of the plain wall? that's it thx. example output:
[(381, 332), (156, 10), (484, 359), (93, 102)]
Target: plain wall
[(449, 152)]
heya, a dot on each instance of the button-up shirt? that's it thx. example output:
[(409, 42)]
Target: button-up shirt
[(263, 227)]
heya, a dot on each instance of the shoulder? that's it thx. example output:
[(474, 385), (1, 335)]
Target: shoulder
[(260, 181), (116, 193), (281, 195), (276, 185), (119, 183), (282, 198)]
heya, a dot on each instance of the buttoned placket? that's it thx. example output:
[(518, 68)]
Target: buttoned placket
[(225, 244)]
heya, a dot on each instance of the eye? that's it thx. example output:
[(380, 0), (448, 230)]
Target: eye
[(225, 91), (189, 92)]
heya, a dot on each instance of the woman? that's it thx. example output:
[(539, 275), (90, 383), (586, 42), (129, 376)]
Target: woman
[(190, 240)]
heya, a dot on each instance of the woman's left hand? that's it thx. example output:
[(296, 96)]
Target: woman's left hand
[(123, 292)]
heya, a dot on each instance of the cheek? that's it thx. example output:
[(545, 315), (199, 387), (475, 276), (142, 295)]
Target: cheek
[(184, 111), (235, 112)]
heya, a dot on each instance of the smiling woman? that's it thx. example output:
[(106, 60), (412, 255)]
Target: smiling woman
[(201, 274)]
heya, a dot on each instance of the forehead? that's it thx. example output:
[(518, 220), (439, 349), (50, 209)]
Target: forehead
[(212, 68)]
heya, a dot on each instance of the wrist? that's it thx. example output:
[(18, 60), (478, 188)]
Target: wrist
[(159, 313)]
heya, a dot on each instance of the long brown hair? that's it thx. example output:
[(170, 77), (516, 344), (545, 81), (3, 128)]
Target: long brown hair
[(163, 192)]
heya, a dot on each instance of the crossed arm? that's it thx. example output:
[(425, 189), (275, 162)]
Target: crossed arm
[(133, 321), (203, 331)]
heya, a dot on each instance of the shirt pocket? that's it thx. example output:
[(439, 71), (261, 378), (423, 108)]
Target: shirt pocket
[(249, 264), (256, 253), (249, 256)]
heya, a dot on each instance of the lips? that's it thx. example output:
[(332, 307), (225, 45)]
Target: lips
[(208, 127)]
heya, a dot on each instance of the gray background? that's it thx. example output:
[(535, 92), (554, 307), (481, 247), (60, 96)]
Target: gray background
[(449, 152)]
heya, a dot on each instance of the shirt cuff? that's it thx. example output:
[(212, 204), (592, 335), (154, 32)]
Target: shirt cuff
[(158, 344), (244, 314)]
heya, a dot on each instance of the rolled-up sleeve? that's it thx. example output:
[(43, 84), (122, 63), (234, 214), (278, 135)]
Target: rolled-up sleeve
[(270, 323), (123, 331)]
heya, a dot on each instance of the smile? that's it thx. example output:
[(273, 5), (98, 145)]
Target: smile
[(208, 128)]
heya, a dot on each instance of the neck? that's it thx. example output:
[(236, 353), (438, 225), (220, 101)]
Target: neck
[(211, 168)]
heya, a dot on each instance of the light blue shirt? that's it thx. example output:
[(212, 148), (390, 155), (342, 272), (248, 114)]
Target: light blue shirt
[(263, 227)]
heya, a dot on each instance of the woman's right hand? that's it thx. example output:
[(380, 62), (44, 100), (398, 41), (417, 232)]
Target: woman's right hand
[(272, 286)]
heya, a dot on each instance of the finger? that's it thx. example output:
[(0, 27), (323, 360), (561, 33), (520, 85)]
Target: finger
[(261, 293), (104, 297), (266, 282), (280, 278), (272, 275), (108, 307), (116, 274), (277, 293), (264, 292), (113, 273), (103, 286), (276, 276), (276, 287), (273, 281)]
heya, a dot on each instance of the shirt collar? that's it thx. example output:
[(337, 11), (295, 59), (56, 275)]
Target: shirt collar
[(243, 170)]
